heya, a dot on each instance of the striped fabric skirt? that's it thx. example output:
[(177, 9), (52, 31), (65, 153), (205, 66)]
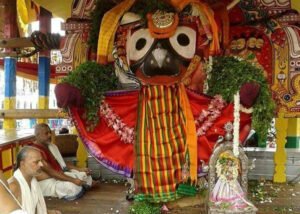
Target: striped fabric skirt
[(160, 146)]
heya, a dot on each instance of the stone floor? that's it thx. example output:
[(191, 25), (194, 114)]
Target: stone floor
[(109, 198)]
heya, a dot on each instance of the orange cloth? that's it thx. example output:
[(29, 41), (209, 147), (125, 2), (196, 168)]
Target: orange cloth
[(221, 14), (161, 33), (209, 15), (207, 20)]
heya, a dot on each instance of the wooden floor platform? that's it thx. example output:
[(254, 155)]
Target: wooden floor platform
[(109, 198), (104, 199)]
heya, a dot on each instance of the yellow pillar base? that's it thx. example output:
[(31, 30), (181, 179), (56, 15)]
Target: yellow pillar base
[(82, 154), (9, 103), (43, 104), (281, 125)]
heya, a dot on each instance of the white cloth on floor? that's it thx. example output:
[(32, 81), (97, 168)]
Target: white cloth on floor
[(32, 197)]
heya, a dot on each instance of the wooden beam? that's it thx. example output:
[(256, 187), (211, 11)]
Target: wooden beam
[(31, 113), (16, 43), (10, 54)]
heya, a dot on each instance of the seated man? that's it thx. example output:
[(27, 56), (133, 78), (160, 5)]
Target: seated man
[(25, 186), (59, 179), (8, 203)]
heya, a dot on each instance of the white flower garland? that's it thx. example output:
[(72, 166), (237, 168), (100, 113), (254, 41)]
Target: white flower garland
[(246, 110), (208, 116), (236, 124), (126, 133)]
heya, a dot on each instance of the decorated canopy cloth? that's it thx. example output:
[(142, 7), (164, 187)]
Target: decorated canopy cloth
[(144, 133)]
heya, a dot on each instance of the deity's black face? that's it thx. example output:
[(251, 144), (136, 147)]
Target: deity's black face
[(156, 57)]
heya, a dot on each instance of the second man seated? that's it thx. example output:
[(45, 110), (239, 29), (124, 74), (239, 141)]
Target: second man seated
[(59, 179)]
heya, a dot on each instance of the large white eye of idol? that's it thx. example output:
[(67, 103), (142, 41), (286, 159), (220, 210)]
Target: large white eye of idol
[(139, 44), (184, 42)]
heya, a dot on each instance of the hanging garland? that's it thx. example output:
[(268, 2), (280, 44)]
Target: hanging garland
[(207, 117), (228, 75), (125, 132), (236, 125)]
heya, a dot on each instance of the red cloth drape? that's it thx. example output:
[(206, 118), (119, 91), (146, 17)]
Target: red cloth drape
[(103, 143), (206, 142), (106, 146)]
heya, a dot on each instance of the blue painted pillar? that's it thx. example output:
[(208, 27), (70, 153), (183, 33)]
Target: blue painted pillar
[(9, 90), (43, 78), (44, 65), (10, 31)]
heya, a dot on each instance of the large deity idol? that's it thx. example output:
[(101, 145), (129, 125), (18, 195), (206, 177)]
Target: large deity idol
[(160, 132)]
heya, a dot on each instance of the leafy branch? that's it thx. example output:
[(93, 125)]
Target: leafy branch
[(228, 75), (93, 80)]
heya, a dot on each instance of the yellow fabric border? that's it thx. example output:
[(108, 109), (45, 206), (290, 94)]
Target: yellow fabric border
[(191, 136), (108, 29)]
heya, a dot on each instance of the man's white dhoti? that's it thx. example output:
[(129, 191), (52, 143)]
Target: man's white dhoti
[(80, 175), (64, 189), (32, 198), (61, 189)]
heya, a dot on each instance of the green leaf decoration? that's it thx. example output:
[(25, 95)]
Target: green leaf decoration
[(93, 80), (228, 75), (144, 208)]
